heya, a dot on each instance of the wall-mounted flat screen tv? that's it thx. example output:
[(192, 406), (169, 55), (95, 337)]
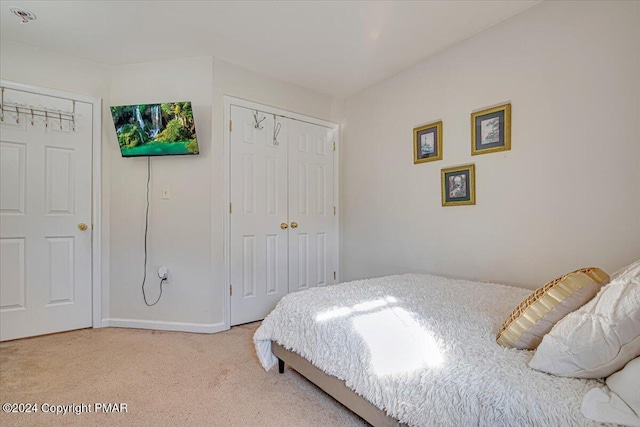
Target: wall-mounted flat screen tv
[(155, 129)]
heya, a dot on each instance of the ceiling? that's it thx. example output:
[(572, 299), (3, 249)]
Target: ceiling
[(332, 47)]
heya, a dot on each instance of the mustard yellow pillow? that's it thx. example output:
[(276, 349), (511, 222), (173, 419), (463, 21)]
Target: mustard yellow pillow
[(536, 315)]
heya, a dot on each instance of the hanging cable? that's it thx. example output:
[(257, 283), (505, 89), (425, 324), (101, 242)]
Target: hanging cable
[(146, 230)]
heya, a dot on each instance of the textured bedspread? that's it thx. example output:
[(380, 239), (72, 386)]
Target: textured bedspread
[(423, 349)]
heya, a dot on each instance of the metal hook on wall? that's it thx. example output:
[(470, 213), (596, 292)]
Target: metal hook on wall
[(73, 116), (30, 113), (258, 120), (1, 104), (276, 131)]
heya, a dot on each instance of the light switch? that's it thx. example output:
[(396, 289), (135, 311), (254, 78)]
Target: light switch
[(165, 193)]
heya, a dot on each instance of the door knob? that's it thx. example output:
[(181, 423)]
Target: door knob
[(82, 226), (294, 225), (284, 226)]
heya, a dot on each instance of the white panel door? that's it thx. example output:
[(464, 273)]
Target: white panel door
[(282, 233), (45, 193), (311, 205), (258, 244)]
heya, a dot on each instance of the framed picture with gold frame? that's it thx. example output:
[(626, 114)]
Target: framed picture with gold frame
[(427, 143), (459, 185), (491, 130)]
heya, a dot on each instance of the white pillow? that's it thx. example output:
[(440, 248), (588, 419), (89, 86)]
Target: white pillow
[(599, 338), (604, 406), (626, 384), (631, 270), (618, 403)]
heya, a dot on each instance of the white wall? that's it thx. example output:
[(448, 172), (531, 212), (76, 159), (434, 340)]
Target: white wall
[(186, 231), (566, 195), (39, 67), (179, 228), (25, 64)]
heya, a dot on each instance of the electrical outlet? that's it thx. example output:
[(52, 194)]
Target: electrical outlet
[(165, 193), (163, 272)]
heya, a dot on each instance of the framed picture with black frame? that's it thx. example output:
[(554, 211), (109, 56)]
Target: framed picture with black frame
[(491, 130), (459, 185), (427, 143)]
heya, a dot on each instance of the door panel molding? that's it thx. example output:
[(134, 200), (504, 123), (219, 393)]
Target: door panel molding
[(97, 286), (308, 198), (311, 145), (263, 203)]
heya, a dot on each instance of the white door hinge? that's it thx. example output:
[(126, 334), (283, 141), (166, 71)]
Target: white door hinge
[(334, 275), (230, 125), (334, 210), (334, 146), (231, 290), (230, 208)]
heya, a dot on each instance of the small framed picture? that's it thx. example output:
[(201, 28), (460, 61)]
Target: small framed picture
[(459, 185), (427, 143), (491, 130)]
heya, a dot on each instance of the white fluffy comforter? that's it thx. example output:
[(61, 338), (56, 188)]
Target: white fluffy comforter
[(423, 349)]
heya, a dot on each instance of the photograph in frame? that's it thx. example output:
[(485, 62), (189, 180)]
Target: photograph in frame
[(427, 143), (491, 130), (458, 185)]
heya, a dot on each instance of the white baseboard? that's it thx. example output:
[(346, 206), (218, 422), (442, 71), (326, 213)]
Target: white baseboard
[(201, 328)]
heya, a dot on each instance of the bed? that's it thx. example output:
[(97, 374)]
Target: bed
[(418, 350)]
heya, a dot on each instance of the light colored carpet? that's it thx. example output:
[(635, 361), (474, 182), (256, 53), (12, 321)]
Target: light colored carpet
[(165, 378)]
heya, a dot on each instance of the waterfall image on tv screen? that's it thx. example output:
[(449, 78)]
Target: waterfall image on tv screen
[(155, 129)]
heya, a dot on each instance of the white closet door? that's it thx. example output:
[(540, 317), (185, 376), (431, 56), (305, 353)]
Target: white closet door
[(258, 258), (311, 202), (45, 258)]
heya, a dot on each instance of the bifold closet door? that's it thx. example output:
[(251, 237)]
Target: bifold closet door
[(311, 205), (258, 239), (282, 234)]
